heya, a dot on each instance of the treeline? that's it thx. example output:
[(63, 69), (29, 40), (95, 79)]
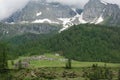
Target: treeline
[(3, 61), (3, 56)]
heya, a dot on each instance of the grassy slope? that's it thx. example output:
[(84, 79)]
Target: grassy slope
[(56, 70), (58, 63)]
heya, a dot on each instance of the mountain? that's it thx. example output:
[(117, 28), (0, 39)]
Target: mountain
[(12, 30), (40, 11), (37, 10), (42, 14), (98, 11)]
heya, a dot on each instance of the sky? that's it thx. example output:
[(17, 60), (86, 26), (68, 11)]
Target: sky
[(8, 7), (81, 3)]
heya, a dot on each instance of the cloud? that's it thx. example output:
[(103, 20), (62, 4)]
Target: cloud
[(81, 3), (76, 3), (113, 1), (8, 7)]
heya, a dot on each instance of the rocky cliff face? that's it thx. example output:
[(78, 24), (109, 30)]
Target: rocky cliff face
[(112, 14), (97, 11), (40, 11), (11, 30), (92, 10)]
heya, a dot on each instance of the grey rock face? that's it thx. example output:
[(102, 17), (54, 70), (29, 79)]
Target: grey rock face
[(112, 13), (50, 11), (93, 9), (10, 30), (96, 8)]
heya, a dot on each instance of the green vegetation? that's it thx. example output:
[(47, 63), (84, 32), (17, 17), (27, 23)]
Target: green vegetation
[(3, 57), (51, 60), (3, 61), (55, 69), (69, 64), (88, 43), (79, 48)]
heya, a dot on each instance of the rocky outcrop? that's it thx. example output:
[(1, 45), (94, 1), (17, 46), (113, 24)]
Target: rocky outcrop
[(112, 14), (38, 9), (11, 30), (96, 9), (92, 10)]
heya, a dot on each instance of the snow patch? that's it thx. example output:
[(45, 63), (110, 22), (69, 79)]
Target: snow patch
[(38, 14), (82, 21), (44, 21), (10, 22), (104, 2), (7, 32), (94, 21), (66, 23), (100, 19), (23, 22), (48, 9)]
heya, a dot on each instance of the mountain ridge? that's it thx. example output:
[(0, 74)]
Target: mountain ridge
[(40, 11)]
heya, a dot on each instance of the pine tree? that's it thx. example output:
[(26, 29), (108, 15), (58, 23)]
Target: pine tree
[(3, 57), (119, 74), (19, 64), (3, 62), (69, 64), (12, 62)]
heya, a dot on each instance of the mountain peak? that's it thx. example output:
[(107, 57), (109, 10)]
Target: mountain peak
[(40, 11), (101, 11)]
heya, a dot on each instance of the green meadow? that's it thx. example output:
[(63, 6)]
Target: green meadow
[(60, 61)]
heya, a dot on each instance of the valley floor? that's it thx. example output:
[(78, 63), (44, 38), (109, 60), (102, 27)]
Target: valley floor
[(54, 60), (53, 67)]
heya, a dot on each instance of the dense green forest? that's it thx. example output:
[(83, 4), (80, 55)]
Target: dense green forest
[(86, 42), (89, 43)]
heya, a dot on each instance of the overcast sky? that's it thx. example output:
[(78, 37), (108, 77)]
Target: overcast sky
[(81, 3), (7, 7)]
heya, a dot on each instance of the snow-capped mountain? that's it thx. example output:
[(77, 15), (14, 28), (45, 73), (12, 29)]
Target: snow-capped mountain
[(98, 11), (40, 11)]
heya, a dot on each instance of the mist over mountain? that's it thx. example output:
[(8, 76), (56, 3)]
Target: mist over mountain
[(43, 11), (8, 7)]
